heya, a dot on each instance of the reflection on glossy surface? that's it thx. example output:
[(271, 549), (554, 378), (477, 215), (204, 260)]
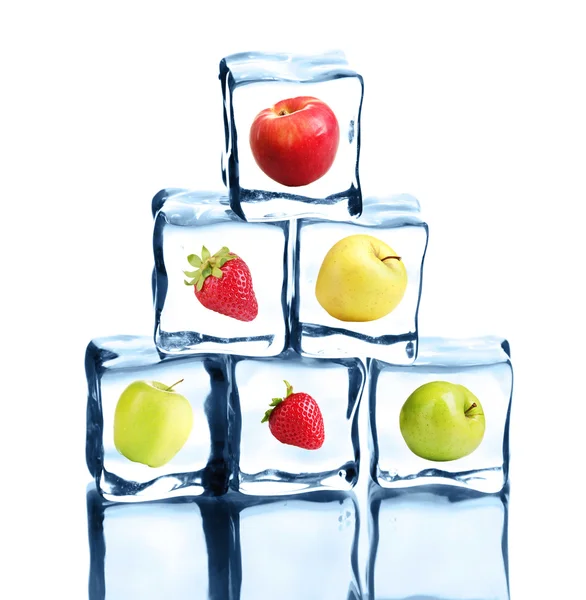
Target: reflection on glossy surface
[(436, 542), (232, 547), (147, 550), (300, 547)]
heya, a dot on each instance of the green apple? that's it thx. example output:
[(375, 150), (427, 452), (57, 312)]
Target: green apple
[(360, 279), (151, 423), (442, 421)]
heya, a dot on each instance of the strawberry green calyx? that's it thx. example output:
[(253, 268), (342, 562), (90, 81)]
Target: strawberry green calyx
[(208, 264), (289, 388), (276, 401)]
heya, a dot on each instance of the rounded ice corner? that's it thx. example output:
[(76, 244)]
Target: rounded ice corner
[(161, 197), (392, 210), (121, 351), (187, 207)]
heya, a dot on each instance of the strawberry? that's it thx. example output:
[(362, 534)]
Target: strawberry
[(296, 420), (223, 284)]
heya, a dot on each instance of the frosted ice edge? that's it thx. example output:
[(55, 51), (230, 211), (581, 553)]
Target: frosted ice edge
[(388, 210), (187, 207), (256, 67), (440, 351)]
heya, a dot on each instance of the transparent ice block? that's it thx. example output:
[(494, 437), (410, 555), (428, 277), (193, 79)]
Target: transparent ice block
[(483, 366), (437, 543), (200, 466), (252, 82), (263, 465), (302, 546), (185, 221), (396, 221)]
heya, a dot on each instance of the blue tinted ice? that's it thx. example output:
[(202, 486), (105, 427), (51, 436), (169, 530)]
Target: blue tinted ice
[(394, 220), (437, 543), (139, 550), (252, 82), (185, 221), (262, 464), (300, 547), (229, 548), (200, 465), (182, 547), (483, 366)]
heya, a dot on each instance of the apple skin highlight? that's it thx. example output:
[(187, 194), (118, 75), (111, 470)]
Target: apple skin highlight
[(295, 141)]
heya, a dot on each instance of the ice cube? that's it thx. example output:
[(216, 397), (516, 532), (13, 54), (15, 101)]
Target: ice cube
[(185, 222), (483, 367), (183, 547), (302, 546), (253, 82), (181, 460), (341, 326), (435, 542), (262, 464)]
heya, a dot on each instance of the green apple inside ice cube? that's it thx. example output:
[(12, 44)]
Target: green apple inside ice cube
[(151, 423)]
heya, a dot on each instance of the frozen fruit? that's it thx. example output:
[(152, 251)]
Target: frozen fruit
[(361, 279), (151, 422), (442, 421), (223, 283), (296, 420), (295, 141)]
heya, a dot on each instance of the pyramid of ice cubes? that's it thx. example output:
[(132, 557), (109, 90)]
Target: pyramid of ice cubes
[(280, 299)]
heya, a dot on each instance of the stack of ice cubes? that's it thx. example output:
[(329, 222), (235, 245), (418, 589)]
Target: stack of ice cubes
[(176, 418)]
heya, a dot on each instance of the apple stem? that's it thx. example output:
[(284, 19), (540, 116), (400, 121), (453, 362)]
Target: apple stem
[(172, 386), (387, 258), (473, 405)]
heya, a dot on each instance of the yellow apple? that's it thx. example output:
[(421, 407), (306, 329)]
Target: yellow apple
[(361, 279)]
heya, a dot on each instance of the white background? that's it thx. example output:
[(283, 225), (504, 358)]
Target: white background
[(476, 108)]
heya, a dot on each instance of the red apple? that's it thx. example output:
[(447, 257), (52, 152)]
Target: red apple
[(295, 141)]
